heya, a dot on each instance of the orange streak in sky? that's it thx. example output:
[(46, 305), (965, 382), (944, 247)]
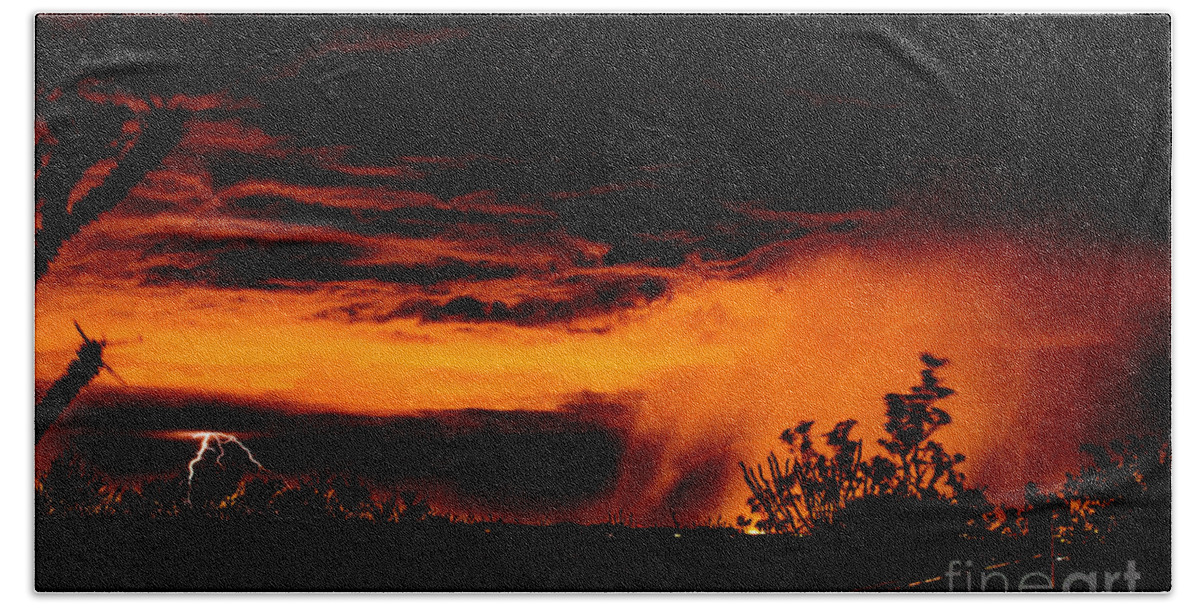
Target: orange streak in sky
[(92, 176)]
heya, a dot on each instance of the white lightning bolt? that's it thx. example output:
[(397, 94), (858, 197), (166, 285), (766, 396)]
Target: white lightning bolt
[(221, 439)]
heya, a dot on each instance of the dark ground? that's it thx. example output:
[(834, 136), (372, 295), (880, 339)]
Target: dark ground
[(206, 554)]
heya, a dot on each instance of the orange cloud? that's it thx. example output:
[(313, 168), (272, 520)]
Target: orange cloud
[(92, 176), (374, 198), (205, 137)]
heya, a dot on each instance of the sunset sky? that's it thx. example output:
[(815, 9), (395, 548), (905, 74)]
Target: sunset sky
[(646, 245)]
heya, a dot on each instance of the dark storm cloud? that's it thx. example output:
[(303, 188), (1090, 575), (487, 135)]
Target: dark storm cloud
[(811, 114), (579, 297), (607, 97), (648, 135), (371, 40), (516, 457), (365, 210), (263, 263)]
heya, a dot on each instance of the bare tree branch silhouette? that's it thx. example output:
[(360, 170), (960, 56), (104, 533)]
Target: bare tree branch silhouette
[(73, 146)]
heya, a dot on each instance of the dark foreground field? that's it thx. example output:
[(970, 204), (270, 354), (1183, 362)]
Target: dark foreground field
[(205, 554)]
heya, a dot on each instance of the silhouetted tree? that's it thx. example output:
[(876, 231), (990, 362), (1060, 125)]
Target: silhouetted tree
[(69, 487), (155, 498), (253, 495), (1124, 489), (805, 490), (811, 489), (415, 508), (911, 419), (87, 363), (302, 502), (74, 137), (1132, 471)]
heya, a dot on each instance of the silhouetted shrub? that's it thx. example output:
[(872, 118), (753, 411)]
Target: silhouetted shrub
[(69, 487), (813, 489), (1124, 490), (300, 502)]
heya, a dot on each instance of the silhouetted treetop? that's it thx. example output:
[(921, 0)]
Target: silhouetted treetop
[(807, 490)]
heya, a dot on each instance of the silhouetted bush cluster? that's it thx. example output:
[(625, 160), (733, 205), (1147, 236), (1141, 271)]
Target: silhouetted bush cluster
[(1125, 492), (70, 488), (913, 483), (914, 490)]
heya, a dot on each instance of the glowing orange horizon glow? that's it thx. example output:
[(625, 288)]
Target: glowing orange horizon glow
[(1041, 335), (193, 435)]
